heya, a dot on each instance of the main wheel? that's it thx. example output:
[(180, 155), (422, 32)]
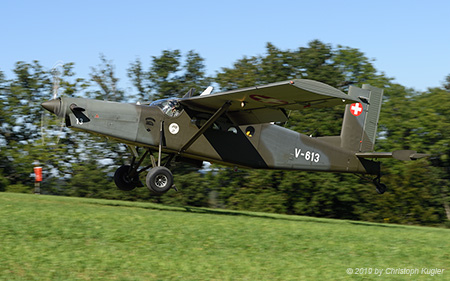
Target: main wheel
[(121, 179), (159, 180)]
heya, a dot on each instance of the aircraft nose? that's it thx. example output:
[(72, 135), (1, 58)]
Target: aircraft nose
[(52, 105)]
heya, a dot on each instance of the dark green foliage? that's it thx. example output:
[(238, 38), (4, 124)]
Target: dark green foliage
[(104, 77), (266, 199), (346, 196), (193, 191), (78, 164), (88, 181), (168, 76)]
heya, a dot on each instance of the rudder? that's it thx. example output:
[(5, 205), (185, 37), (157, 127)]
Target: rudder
[(360, 123)]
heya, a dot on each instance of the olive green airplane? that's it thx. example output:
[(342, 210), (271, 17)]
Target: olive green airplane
[(235, 128)]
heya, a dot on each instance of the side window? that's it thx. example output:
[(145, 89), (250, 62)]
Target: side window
[(171, 107)]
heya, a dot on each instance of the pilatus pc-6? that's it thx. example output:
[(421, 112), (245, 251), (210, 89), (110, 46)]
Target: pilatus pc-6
[(235, 128)]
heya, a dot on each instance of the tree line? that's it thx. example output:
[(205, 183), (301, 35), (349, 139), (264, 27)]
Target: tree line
[(78, 164)]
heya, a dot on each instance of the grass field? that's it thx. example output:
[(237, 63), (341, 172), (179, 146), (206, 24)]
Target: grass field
[(60, 238)]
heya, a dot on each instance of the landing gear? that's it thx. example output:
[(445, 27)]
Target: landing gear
[(123, 179), (159, 178), (380, 187)]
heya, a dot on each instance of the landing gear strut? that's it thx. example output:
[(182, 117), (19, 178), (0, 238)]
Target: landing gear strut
[(159, 178)]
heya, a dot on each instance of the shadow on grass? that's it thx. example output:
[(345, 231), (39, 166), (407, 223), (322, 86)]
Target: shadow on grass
[(222, 212), (287, 217)]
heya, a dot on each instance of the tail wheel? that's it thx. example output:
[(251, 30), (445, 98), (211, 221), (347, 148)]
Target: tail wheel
[(121, 179), (381, 188), (159, 180)]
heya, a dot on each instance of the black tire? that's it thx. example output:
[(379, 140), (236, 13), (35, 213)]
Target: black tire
[(381, 188), (121, 179), (159, 180)]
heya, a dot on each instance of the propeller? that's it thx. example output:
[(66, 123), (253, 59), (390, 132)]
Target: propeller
[(54, 105)]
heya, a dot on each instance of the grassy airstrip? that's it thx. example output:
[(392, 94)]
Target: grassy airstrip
[(60, 238)]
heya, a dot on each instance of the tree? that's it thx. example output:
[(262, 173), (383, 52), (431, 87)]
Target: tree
[(432, 134), (243, 74), (139, 79), (78, 164), (353, 65), (32, 135), (447, 83), (316, 62), (259, 192), (21, 119), (194, 75), (105, 77), (4, 131), (275, 66), (168, 76), (337, 195), (22, 103)]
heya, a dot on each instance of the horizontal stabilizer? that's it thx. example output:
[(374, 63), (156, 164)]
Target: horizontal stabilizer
[(403, 155)]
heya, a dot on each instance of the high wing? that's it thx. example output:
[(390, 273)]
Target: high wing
[(267, 103)]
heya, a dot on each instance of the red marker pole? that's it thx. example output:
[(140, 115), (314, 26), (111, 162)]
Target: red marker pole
[(37, 180)]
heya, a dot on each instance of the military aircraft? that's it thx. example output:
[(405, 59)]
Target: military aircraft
[(235, 128)]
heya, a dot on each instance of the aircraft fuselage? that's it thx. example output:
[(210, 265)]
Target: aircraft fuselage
[(264, 146)]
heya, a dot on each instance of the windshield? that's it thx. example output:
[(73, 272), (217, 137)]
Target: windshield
[(170, 107)]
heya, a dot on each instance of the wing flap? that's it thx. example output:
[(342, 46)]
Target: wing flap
[(258, 116)]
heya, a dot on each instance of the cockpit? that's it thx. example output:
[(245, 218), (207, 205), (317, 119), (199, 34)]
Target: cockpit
[(170, 106)]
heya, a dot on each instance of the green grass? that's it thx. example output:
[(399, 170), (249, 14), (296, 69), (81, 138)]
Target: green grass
[(60, 238)]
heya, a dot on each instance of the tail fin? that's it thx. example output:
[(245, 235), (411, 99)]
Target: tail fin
[(359, 127)]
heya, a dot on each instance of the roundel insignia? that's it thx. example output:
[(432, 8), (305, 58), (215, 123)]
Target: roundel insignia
[(265, 99), (174, 128), (356, 109)]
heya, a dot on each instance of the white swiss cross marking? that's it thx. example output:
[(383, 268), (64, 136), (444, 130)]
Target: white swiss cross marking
[(356, 109)]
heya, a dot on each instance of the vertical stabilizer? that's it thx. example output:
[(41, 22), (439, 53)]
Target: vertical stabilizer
[(360, 123)]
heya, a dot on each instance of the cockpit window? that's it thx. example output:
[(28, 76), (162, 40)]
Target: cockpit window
[(170, 107)]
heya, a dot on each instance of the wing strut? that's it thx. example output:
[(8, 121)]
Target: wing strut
[(161, 140), (206, 126)]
